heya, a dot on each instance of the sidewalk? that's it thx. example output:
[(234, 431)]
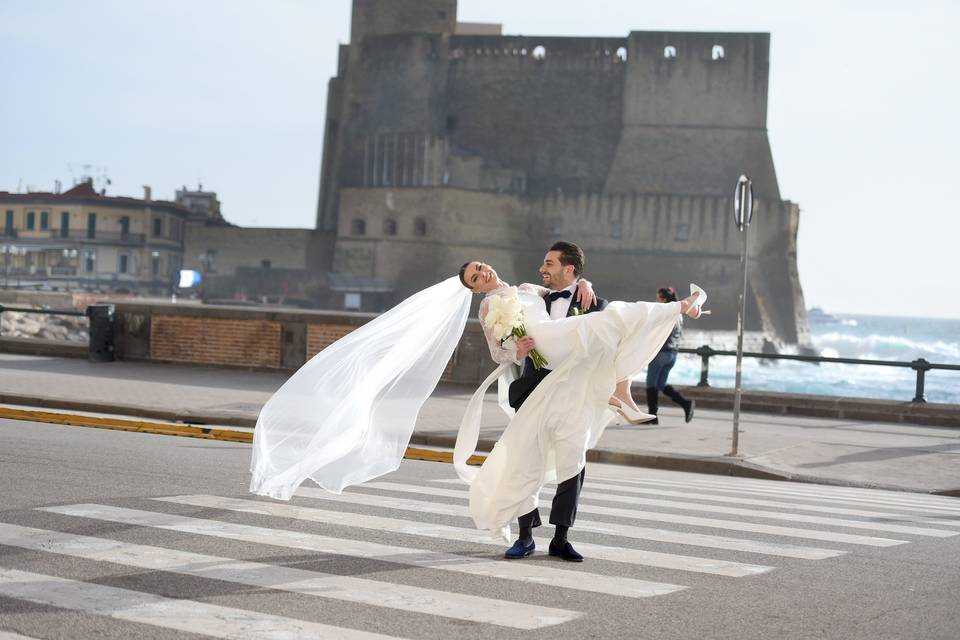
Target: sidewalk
[(846, 452)]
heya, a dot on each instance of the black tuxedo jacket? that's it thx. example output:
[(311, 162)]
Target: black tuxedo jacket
[(530, 376)]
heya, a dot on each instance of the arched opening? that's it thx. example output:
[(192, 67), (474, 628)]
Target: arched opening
[(389, 227), (718, 52), (669, 52), (539, 52), (622, 54), (358, 227)]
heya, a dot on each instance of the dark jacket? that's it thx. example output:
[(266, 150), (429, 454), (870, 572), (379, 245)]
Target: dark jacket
[(673, 340), (530, 377)]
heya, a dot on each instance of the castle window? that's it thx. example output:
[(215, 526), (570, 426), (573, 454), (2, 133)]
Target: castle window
[(265, 264), (389, 227), (420, 227), (358, 227), (669, 51), (442, 15), (683, 232), (616, 230), (539, 52), (718, 53), (622, 54), (452, 123), (523, 52), (556, 226)]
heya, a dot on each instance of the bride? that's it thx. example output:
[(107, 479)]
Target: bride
[(592, 358), (347, 415)]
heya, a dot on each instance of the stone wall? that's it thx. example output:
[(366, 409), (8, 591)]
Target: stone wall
[(235, 247), (259, 339)]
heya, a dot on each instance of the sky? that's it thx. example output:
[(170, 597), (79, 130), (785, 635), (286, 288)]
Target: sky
[(862, 114)]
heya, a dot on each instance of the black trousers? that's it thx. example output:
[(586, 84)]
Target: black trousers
[(563, 511)]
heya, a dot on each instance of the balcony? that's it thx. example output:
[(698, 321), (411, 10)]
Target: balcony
[(105, 237)]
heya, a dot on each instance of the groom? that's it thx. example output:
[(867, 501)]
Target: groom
[(560, 271)]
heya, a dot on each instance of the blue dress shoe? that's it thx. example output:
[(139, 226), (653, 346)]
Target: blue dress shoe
[(519, 550), (567, 552)]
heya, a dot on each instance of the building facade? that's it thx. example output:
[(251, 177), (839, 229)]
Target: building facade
[(82, 239), (447, 142)]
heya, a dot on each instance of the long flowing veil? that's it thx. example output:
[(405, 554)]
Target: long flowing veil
[(347, 415)]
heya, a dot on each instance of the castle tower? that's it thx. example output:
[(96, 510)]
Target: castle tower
[(371, 18), (447, 142)]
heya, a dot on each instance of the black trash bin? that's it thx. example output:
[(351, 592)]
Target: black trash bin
[(101, 332)]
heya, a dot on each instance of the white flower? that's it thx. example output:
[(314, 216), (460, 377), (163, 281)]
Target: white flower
[(504, 314)]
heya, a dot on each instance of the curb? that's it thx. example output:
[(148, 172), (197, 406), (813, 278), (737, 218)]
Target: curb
[(718, 465), (186, 431)]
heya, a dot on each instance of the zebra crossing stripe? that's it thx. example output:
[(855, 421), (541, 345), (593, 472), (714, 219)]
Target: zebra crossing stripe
[(458, 510), (820, 493), (771, 515), (9, 635), (484, 567), (189, 616), (665, 493), (708, 508), (357, 590), (594, 551)]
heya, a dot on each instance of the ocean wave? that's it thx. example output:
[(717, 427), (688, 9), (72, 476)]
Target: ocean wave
[(885, 346)]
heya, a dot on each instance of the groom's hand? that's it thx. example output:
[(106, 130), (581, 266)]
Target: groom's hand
[(585, 295), (524, 346)]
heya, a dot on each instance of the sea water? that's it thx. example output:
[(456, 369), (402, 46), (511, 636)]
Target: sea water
[(845, 336)]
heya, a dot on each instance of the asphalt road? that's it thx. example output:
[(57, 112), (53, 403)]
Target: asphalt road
[(88, 549)]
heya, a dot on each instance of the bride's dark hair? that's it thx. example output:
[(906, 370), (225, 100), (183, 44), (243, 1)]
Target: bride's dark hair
[(463, 280)]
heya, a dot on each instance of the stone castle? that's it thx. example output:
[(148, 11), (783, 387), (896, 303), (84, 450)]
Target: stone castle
[(447, 142)]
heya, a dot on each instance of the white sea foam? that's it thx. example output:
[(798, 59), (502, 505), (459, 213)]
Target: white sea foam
[(864, 337)]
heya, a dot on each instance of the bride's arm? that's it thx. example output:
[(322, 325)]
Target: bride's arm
[(500, 352), (535, 289)]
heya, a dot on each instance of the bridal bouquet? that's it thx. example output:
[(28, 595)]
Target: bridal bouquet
[(505, 319)]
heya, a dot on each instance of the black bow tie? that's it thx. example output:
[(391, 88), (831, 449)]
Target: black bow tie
[(553, 295)]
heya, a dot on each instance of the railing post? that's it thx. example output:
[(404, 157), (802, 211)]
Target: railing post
[(2, 309), (921, 366), (704, 352)]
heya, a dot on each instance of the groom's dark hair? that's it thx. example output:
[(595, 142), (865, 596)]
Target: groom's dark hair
[(570, 254)]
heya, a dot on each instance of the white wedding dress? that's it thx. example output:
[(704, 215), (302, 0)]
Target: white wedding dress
[(347, 415), (566, 414)]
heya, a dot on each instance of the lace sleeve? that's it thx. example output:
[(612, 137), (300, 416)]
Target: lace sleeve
[(535, 289), (500, 352)]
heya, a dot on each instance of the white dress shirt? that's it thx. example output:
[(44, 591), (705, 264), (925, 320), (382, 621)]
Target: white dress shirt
[(560, 306)]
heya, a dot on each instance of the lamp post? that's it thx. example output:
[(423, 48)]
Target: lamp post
[(742, 216)]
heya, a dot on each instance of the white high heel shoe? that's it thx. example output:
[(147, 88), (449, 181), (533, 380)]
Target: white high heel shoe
[(631, 415), (696, 309)]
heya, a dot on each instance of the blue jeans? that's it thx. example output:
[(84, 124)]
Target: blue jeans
[(659, 369)]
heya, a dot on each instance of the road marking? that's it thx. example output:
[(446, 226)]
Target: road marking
[(769, 515), (661, 492), (314, 583), (170, 613), (600, 552), (824, 493), (485, 567), (736, 525)]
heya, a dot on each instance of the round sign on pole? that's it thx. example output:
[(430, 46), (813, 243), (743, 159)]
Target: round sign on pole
[(743, 202)]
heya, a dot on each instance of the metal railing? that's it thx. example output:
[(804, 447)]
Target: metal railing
[(919, 365)]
